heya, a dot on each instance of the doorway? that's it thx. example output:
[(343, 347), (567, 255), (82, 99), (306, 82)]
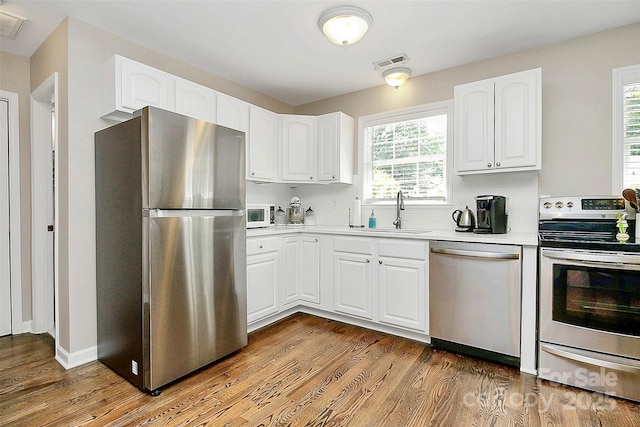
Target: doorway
[(44, 218), (10, 247), (5, 256)]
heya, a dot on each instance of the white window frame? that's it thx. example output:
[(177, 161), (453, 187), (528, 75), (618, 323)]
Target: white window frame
[(621, 77), (406, 114)]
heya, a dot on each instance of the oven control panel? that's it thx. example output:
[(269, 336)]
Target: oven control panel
[(596, 207)]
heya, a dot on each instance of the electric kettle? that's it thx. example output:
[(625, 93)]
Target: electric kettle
[(464, 220)]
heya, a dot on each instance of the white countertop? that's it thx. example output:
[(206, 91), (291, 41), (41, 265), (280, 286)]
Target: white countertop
[(511, 238)]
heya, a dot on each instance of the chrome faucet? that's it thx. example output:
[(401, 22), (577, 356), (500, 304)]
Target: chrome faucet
[(399, 207)]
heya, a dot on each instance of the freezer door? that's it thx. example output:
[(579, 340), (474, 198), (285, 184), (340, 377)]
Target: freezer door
[(191, 164), (195, 293)]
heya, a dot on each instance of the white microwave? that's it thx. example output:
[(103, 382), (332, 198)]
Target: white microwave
[(260, 215)]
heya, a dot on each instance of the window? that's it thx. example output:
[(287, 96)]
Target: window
[(407, 150), (626, 127)]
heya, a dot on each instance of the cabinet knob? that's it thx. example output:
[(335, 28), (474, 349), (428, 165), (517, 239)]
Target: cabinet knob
[(488, 165), (253, 173), (368, 260), (497, 164), (333, 176), (261, 246), (380, 262), (316, 240), (310, 177)]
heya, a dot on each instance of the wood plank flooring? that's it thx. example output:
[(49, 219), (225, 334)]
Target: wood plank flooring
[(301, 371)]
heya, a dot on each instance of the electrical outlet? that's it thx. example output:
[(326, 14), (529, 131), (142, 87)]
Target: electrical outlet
[(334, 204)]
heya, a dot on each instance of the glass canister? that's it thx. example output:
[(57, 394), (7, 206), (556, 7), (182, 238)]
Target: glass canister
[(309, 217), (280, 217)]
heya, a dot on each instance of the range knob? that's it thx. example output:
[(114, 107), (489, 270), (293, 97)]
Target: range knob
[(569, 205), (547, 205), (559, 205)]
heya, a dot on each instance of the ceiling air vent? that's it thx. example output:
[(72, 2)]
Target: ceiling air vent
[(390, 62), (10, 25)]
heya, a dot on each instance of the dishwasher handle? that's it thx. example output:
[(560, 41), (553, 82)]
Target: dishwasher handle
[(476, 254)]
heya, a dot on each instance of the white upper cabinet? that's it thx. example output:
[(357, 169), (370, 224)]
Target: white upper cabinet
[(298, 148), (264, 134), (335, 148), (280, 147), (195, 100), (498, 124), (130, 86), (232, 113)]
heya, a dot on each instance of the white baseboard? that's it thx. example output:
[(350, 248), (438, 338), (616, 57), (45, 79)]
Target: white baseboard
[(26, 328), (71, 360)]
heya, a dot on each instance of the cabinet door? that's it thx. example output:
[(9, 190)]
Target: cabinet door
[(142, 85), (298, 148), (290, 270), (262, 145), (517, 120), (262, 285), (353, 291), (328, 147), (232, 113), (309, 280), (403, 295), (195, 100), (474, 127)]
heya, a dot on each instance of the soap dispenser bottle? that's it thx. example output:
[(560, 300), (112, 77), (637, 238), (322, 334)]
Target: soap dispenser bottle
[(372, 220)]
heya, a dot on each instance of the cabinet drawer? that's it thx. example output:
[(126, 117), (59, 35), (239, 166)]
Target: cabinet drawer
[(263, 245), (359, 245), (402, 249)]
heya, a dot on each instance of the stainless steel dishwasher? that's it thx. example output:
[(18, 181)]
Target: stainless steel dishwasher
[(474, 299)]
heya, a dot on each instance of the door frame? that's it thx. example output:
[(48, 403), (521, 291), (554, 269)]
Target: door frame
[(15, 242), (45, 307)]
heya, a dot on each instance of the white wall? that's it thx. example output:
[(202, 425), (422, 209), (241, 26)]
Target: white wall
[(521, 189)]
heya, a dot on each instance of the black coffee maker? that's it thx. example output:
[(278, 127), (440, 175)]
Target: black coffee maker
[(492, 214)]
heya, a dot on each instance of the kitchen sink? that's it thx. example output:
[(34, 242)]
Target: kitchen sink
[(392, 230)]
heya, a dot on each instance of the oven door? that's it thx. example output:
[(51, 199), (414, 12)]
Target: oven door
[(591, 300)]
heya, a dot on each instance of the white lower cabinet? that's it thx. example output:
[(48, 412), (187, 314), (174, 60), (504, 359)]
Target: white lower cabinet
[(301, 269), (394, 293), (353, 283), (380, 280), (402, 283), (263, 276)]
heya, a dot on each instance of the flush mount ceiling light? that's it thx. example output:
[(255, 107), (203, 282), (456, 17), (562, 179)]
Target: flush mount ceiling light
[(345, 25), (10, 25), (397, 76)]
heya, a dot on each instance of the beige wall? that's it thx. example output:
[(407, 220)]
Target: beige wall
[(14, 77), (576, 106)]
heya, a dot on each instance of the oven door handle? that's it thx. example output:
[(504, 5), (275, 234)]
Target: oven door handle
[(590, 360), (595, 260)]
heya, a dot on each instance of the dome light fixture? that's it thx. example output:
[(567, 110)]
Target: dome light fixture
[(397, 76), (345, 25)]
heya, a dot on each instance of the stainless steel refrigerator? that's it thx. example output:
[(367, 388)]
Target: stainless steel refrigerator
[(170, 246)]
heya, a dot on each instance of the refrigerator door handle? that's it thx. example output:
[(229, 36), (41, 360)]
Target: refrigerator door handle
[(172, 213)]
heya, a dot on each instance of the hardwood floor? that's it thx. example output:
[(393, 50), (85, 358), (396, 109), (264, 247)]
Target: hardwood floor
[(301, 371)]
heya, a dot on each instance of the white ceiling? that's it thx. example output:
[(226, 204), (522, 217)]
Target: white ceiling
[(276, 48)]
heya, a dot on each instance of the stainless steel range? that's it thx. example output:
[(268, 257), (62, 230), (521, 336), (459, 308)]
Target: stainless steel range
[(589, 313)]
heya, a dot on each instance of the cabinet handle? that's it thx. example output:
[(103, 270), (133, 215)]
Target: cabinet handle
[(498, 164), (488, 165)]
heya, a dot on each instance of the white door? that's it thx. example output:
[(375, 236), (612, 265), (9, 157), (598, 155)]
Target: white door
[(5, 282)]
